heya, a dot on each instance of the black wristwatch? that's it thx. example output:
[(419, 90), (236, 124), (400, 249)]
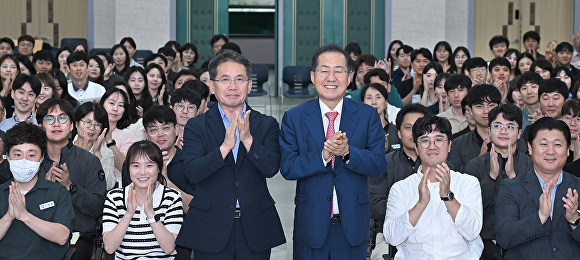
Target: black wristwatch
[(72, 188), (346, 156), (111, 143), (576, 221), (450, 197)]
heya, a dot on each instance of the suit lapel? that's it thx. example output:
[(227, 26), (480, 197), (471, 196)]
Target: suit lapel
[(216, 125), (254, 124), (348, 120), (533, 188), (313, 122), (558, 205)]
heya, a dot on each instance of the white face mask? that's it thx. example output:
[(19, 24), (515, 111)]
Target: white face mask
[(23, 170)]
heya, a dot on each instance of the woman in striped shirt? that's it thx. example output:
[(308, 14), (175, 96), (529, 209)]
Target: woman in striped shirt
[(144, 218)]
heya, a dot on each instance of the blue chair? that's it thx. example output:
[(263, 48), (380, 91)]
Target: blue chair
[(70, 42), (259, 77), (140, 56), (298, 79), (94, 51)]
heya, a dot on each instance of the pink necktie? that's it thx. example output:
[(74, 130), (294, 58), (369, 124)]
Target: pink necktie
[(330, 130)]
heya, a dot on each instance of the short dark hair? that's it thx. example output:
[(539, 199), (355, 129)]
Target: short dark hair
[(408, 109), (161, 114), (549, 123), (543, 64), (528, 77), (423, 51), (475, 62), (33, 81), (431, 123), (191, 72), (571, 105), (27, 63), (377, 72), (365, 58), (509, 112), (228, 56), (376, 86), (231, 46), (130, 41), (330, 48), (497, 40), (405, 49), (552, 85), (107, 56), (27, 38), (7, 40), (198, 87), (99, 113), (191, 46), (77, 56), (155, 56), (173, 44), (482, 93), (354, 47), (216, 38), (25, 133), (564, 46), (457, 81), (167, 51), (51, 104), (148, 149), (575, 88), (186, 94), (44, 55), (500, 61), (531, 35)]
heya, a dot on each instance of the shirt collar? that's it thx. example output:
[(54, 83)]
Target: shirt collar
[(225, 117), (543, 183), (28, 117), (324, 108), (75, 88)]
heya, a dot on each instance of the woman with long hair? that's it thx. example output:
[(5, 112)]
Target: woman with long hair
[(9, 68), (442, 52), (121, 57), (460, 55), (156, 82)]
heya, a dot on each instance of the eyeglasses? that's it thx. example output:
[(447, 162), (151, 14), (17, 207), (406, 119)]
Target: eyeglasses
[(154, 131), (237, 81), (461, 57), (88, 124), (181, 108), (338, 73), (569, 119), (62, 118), (509, 128), (425, 143)]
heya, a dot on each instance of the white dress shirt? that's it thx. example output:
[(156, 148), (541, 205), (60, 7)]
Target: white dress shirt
[(435, 236), (324, 109)]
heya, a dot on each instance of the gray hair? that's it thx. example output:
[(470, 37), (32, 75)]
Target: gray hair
[(224, 56)]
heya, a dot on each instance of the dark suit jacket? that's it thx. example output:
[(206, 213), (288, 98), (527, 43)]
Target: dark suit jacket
[(302, 140), (209, 221), (518, 227)]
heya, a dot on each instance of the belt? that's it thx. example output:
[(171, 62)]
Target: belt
[(335, 219), (237, 214)]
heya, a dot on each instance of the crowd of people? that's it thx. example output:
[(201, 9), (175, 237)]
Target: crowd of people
[(173, 160)]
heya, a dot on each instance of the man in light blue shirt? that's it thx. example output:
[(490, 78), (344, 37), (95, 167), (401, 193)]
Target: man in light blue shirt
[(25, 89)]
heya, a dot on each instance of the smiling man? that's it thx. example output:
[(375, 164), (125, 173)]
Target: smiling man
[(331, 145), (79, 171), (536, 213), (552, 93), (80, 88), (499, 69), (498, 45), (457, 86), (228, 152), (25, 90), (436, 212), (528, 85)]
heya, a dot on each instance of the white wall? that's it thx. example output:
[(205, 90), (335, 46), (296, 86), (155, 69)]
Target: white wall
[(147, 21), (422, 23)]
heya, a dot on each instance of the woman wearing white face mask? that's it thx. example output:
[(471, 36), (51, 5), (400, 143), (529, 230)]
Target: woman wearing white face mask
[(37, 214)]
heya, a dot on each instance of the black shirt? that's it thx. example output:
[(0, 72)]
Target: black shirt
[(405, 87)]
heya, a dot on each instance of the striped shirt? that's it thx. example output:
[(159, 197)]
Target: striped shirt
[(139, 241)]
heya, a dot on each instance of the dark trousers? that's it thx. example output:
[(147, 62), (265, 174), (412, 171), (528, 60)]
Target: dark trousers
[(84, 247), (490, 250), (336, 247), (237, 248)]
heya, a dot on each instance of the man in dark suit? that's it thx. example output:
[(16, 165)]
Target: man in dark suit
[(228, 152), (332, 200), (536, 213)]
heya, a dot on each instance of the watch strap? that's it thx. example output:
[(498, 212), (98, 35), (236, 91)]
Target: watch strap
[(111, 143)]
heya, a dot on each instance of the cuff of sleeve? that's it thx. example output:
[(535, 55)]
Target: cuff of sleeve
[(325, 162), (407, 223)]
